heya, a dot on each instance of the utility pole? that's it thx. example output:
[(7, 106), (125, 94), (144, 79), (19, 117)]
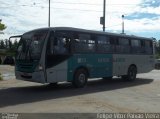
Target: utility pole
[(122, 24), (102, 19), (104, 14), (49, 13)]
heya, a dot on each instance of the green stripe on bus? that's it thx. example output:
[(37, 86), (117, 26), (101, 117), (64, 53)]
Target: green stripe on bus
[(98, 65)]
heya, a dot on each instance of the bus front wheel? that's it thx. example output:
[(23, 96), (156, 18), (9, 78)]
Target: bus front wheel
[(55, 84), (80, 78), (108, 78)]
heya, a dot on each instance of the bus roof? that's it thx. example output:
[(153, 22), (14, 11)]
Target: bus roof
[(94, 32)]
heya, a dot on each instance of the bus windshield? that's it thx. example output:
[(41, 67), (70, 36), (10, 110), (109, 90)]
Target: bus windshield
[(30, 45)]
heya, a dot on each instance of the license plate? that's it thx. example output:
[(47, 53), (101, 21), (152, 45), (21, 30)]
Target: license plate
[(25, 74)]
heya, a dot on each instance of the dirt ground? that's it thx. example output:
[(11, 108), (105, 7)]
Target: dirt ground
[(142, 95)]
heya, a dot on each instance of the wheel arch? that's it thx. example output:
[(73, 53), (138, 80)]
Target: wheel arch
[(82, 67), (134, 66)]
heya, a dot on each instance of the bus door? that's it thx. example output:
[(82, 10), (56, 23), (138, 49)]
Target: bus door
[(56, 57)]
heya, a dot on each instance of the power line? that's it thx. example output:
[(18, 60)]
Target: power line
[(79, 3), (34, 4), (54, 8), (98, 4), (77, 9)]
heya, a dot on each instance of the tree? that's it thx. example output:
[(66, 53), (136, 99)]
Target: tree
[(157, 48), (2, 45), (15, 45), (6, 44), (10, 44), (2, 26)]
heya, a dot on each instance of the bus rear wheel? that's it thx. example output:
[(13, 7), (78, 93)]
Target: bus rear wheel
[(80, 78), (131, 75)]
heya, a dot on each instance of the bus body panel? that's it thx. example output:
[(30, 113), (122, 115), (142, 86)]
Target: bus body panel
[(97, 65), (26, 70), (121, 63), (57, 73), (33, 77)]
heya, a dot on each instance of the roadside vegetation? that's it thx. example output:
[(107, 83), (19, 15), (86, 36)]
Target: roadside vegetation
[(157, 48), (8, 48), (7, 51)]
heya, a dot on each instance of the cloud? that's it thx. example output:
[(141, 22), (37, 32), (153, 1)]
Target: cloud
[(141, 16), (21, 16), (151, 3)]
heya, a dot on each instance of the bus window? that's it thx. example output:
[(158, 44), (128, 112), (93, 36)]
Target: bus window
[(147, 43), (84, 37), (142, 43), (123, 41), (123, 46), (142, 47), (135, 43), (136, 46), (91, 45), (83, 43), (103, 40), (103, 44), (62, 43), (148, 47)]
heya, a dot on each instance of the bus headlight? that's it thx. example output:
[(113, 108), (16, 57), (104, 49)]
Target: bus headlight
[(40, 67)]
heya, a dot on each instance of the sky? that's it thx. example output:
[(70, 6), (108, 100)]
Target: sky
[(141, 17)]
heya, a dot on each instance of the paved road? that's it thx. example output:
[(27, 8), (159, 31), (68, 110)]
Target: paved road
[(143, 95)]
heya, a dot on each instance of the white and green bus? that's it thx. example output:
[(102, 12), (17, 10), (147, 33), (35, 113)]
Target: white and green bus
[(51, 55)]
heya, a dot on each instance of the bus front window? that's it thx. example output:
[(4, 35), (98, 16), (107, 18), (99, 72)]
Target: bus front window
[(30, 45)]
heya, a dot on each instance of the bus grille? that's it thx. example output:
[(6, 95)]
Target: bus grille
[(25, 67)]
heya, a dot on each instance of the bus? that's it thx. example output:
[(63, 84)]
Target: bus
[(58, 54)]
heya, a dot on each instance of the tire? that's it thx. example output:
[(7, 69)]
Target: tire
[(80, 78), (55, 84), (124, 77), (108, 78), (131, 75)]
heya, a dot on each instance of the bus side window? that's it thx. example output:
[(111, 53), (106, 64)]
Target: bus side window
[(62, 44), (103, 44), (148, 47), (123, 45), (136, 46), (83, 43), (142, 46)]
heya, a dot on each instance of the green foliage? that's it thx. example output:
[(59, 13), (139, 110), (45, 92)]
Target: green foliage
[(157, 48), (2, 26), (2, 45), (8, 48)]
